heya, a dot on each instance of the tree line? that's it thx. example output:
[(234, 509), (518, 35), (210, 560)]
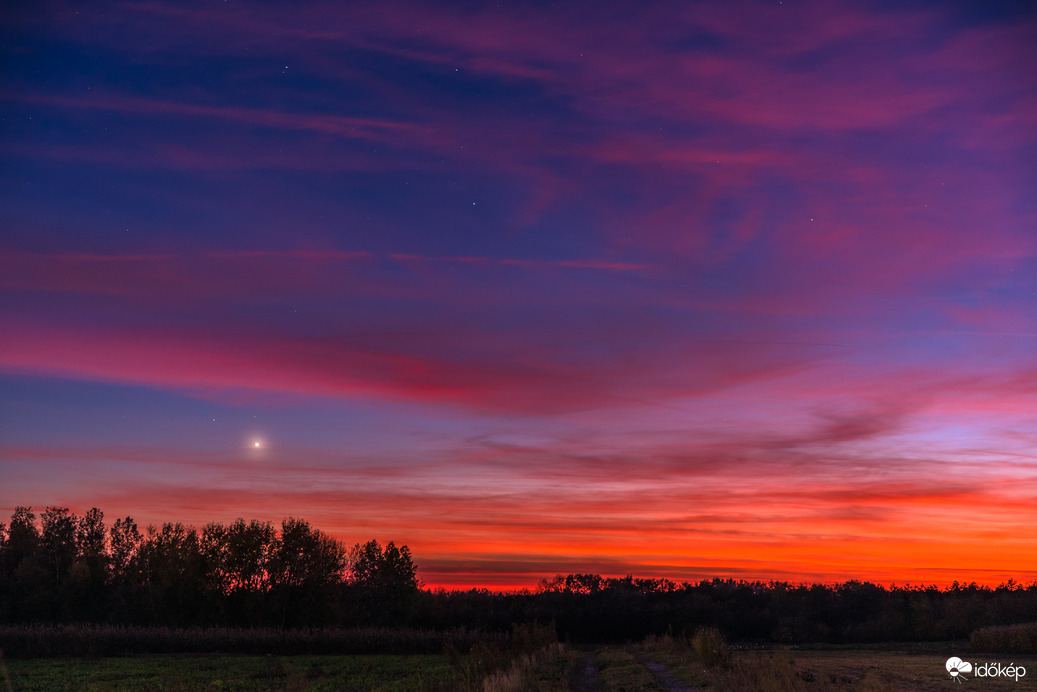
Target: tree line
[(591, 607), (60, 567)]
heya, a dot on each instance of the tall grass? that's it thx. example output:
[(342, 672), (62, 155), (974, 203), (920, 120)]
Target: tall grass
[(522, 674), (709, 645), (771, 672), (499, 665), (777, 671), (1007, 639)]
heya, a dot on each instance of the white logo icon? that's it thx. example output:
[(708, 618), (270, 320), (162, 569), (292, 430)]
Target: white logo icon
[(956, 666)]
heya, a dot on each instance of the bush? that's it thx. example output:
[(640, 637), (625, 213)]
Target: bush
[(709, 645)]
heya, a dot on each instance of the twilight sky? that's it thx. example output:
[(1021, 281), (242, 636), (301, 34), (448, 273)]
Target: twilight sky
[(681, 289)]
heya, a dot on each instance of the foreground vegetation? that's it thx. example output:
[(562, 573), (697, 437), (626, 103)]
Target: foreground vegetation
[(367, 673), (47, 641), (872, 669), (657, 664), (463, 659)]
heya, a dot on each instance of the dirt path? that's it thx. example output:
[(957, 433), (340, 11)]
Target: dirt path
[(665, 678), (586, 678)]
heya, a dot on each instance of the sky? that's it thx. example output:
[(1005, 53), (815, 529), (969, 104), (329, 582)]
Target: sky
[(672, 289)]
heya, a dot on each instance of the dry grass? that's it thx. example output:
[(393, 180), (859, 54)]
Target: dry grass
[(874, 669), (1009, 639), (859, 670), (709, 646), (505, 664), (527, 672), (763, 672)]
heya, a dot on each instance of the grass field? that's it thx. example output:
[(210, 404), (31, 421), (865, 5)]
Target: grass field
[(655, 666), (366, 673), (862, 670)]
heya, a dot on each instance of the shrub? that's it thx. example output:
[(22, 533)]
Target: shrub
[(709, 645)]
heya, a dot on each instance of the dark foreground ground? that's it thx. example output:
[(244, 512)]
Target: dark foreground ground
[(656, 665)]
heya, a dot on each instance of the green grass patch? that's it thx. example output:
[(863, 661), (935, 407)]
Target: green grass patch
[(554, 670), (363, 673), (620, 671)]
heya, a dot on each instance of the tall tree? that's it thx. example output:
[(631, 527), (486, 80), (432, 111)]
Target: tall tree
[(307, 564), (23, 587), (213, 547), (128, 594), (88, 577), (23, 539), (250, 550), (388, 573), (90, 534), (124, 539), (384, 582), (175, 574), (58, 540)]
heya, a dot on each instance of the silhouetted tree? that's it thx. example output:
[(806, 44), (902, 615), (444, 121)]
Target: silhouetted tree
[(388, 573), (383, 582), (91, 536), (124, 540), (250, 550), (23, 590), (306, 565), (88, 577), (238, 561), (175, 575), (58, 539), (23, 538)]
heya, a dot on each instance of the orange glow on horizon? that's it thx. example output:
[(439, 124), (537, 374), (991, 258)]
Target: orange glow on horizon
[(891, 534)]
